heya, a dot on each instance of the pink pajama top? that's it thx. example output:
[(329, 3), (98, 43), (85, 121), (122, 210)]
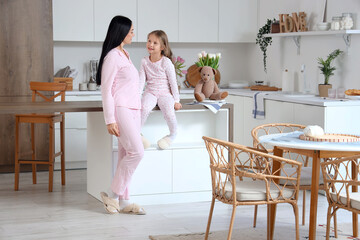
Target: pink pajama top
[(160, 77), (119, 84)]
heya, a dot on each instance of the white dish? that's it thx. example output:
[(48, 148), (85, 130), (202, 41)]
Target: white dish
[(355, 97), (323, 26), (238, 84)]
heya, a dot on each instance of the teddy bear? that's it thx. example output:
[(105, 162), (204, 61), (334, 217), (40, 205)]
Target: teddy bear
[(207, 87)]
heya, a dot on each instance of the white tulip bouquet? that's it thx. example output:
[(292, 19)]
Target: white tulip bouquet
[(208, 59)]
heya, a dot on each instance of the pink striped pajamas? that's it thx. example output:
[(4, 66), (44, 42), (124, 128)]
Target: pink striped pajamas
[(161, 89), (122, 104)]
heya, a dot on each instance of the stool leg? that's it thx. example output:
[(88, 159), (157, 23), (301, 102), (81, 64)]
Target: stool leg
[(51, 155), (17, 147), (62, 149), (33, 152)]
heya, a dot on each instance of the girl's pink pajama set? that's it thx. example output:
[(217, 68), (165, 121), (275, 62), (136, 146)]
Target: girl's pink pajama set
[(121, 98), (161, 89)]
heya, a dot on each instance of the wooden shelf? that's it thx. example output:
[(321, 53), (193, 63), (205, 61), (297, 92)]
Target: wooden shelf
[(313, 33), (346, 34)]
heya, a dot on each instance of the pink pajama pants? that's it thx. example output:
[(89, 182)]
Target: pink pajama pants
[(166, 104), (130, 150)]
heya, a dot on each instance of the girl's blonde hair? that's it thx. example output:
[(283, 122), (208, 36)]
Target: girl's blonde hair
[(163, 42)]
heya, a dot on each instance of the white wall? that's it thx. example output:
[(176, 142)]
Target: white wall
[(283, 54), (233, 65)]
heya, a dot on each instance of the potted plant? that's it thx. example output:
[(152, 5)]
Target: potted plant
[(327, 70), (263, 41)]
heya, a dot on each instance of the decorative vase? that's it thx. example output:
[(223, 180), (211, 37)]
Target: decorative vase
[(323, 89)]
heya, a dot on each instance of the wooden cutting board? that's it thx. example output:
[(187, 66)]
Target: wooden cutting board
[(264, 88), (193, 76)]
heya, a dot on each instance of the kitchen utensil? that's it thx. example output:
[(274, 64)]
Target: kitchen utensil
[(93, 70), (83, 86), (193, 76)]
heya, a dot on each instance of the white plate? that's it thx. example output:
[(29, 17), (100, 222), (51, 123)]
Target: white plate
[(355, 97)]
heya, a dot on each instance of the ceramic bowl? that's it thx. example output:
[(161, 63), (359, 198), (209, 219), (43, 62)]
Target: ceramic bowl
[(323, 26)]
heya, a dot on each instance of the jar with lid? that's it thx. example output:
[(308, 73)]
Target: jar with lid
[(336, 23), (347, 21)]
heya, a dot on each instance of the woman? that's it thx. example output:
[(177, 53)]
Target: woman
[(121, 100)]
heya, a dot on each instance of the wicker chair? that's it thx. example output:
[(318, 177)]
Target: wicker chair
[(245, 176), (306, 172), (338, 177)]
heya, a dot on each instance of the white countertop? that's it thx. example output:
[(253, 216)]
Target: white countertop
[(277, 96)]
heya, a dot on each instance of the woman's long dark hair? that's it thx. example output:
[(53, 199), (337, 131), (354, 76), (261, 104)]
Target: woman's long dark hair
[(119, 27)]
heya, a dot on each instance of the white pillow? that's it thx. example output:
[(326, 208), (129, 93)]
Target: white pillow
[(313, 131)]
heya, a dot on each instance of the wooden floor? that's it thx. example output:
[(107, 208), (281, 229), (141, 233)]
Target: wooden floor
[(70, 213)]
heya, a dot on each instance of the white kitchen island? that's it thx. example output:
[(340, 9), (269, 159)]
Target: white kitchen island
[(178, 174)]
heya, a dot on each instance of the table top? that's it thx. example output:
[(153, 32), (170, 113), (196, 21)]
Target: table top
[(75, 106), (292, 140)]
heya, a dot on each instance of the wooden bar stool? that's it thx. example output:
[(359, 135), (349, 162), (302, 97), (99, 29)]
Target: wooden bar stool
[(47, 118)]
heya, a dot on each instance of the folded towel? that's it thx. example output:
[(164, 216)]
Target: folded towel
[(213, 106), (259, 106)]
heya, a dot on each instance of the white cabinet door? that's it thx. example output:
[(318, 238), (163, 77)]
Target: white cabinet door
[(153, 174), (158, 15), (191, 171), (75, 144), (73, 20), (238, 124), (104, 11), (237, 20), (198, 21), (309, 115)]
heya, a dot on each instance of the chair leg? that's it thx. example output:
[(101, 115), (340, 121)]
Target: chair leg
[(34, 169), (33, 156), (328, 223), (62, 149), (17, 147), (51, 155), (296, 213), (210, 217), (231, 222), (255, 215), (335, 224), (304, 207)]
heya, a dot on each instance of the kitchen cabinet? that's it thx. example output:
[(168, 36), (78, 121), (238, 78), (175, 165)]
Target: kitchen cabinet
[(198, 21), (104, 11), (158, 15), (237, 20), (334, 117), (73, 20), (182, 20)]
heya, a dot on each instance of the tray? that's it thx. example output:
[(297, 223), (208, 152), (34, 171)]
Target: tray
[(264, 88), (329, 137)]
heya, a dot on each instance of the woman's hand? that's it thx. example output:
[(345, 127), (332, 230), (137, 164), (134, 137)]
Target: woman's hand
[(113, 129), (177, 106)]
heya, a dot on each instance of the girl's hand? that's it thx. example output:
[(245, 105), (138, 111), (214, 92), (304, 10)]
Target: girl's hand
[(113, 129), (177, 106)]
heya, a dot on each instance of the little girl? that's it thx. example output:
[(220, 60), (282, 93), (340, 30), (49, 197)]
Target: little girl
[(161, 88)]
